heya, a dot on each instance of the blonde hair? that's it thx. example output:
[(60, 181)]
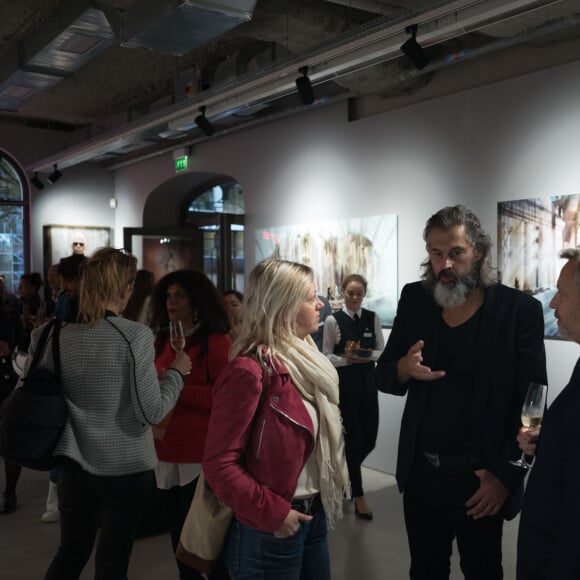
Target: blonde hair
[(275, 293), (104, 278)]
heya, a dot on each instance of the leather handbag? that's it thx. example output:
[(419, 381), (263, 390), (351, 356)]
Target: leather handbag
[(35, 413), (208, 520)]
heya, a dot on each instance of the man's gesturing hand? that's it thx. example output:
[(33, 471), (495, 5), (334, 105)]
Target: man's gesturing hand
[(410, 366)]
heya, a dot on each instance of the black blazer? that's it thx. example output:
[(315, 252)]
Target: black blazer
[(509, 355), (548, 546)]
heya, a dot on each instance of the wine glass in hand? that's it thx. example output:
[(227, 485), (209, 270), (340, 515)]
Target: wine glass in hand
[(532, 413), (176, 335)]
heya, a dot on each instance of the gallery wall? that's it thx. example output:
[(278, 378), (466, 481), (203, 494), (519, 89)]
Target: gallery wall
[(510, 140)]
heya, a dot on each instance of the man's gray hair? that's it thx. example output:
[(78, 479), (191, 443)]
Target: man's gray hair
[(573, 254), (459, 215)]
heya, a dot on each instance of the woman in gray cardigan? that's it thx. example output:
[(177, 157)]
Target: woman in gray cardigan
[(106, 453)]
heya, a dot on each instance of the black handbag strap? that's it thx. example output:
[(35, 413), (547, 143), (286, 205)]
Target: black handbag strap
[(54, 324)]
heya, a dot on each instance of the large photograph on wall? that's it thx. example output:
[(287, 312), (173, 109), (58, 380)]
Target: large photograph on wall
[(335, 249), (62, 241), (531, 232)]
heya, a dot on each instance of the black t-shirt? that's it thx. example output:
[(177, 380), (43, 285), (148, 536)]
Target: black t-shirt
[(446, 425)]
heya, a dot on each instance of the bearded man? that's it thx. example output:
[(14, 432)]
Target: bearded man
[(463, 349)]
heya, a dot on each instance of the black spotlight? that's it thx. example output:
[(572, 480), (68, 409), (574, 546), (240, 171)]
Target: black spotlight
[(55, 175), (304, 87), (35, 180), (414, 50), (204, 123)]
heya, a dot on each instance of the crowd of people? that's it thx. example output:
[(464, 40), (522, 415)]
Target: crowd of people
[(275, 396)]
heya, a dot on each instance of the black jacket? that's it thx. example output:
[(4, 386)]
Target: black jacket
[(509, 355)]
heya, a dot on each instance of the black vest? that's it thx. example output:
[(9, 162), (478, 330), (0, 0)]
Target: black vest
[(357, 377)]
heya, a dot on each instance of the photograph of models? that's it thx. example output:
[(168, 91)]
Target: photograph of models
[(335, 249), (530, 233)]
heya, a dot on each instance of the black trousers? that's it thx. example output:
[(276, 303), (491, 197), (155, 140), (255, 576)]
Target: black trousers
[(87, 502), (360, 417), (177, 501), (435, 513)]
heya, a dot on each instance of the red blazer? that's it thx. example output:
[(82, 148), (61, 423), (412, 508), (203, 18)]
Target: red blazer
[(253, 456), (185, 436)]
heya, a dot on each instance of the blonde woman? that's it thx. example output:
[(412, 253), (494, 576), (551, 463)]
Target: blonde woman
[(277, 457), (106, 453)]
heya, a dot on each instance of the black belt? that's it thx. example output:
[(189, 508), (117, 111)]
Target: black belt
[(309, 506), (441, 461)]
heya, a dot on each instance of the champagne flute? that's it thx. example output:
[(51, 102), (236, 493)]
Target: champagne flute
[(532, 413), (176, 335)]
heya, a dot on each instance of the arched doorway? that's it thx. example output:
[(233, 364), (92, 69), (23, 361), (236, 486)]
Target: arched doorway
[(195, 220)]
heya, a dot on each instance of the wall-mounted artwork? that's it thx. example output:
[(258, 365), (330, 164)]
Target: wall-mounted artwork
[(162, 255), (62, 241), (531, 232), (334, 249)]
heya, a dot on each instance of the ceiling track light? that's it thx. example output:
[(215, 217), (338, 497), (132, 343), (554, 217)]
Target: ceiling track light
[(304, 86), (35, 180), (413, 49), (204, 123), (55, 175)]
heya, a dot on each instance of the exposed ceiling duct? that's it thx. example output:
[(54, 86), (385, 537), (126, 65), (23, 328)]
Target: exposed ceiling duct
[(55, 51), (178, 26), (139, 96)]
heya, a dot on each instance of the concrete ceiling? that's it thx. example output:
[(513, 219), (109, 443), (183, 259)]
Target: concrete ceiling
[(138, 93)]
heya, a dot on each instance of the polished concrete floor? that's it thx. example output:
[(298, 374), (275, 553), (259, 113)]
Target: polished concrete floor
[(359, 550)]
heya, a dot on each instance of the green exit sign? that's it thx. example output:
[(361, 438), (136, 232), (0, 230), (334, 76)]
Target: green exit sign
[(181, 163)]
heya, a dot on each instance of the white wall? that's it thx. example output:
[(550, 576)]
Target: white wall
[(511, 140)]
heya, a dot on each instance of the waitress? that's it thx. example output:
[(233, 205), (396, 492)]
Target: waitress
[(359, 329)]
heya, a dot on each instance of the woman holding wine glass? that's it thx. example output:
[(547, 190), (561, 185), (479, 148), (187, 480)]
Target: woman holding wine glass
[(188, 315)]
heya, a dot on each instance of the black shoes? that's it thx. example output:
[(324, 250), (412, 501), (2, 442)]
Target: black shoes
[(8, 503), (368, 516)]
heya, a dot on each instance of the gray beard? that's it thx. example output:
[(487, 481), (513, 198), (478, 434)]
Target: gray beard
[(451, 294)]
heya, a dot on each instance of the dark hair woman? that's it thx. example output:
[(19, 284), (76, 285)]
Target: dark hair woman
[(190, 297)]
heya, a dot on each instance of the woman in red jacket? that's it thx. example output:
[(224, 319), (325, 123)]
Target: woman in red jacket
[(190, 297), (276, 457)]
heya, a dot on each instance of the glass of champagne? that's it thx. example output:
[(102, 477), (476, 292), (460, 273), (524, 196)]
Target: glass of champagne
[(176, 335), (532, 413)]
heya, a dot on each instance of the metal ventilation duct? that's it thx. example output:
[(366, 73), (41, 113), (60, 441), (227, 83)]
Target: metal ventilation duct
[(177, 27), (53, 52)]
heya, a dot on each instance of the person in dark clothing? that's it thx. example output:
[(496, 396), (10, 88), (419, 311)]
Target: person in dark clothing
[(11, 332), (347, 335), (548, 531), (464, 351), (67, 304)]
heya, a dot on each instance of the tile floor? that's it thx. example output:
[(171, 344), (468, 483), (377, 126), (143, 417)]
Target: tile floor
[(359, 550)]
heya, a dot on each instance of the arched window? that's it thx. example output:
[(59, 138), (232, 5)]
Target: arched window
[(14, 199), (224, 197)]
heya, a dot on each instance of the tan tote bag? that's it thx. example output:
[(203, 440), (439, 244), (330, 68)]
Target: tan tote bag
[(208, 520), (204, 529)]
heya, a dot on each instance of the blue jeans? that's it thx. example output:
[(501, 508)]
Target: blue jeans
[(252, 555)]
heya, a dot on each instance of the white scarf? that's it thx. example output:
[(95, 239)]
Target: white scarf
[(317, 381)]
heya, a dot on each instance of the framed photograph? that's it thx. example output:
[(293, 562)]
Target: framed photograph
[(335, 249), (58, 241), (531, 232)]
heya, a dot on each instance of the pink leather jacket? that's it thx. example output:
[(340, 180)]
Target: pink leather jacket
[(253, 457)]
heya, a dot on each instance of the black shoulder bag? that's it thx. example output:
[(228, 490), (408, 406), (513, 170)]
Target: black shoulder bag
[(34, 415)]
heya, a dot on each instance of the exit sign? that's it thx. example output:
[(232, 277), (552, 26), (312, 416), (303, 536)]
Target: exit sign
[(181, 163)]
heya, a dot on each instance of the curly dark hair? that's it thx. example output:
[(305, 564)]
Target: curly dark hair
[(205, 300)]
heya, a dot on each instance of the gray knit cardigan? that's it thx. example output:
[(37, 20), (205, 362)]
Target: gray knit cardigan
[(113, 394)]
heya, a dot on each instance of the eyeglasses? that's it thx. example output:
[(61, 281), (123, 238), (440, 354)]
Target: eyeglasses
[(78, 244)]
